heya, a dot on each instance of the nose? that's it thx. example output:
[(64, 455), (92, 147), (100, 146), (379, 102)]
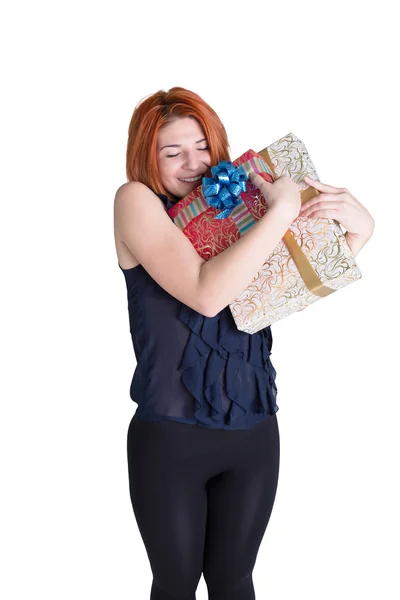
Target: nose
[(192, 161)]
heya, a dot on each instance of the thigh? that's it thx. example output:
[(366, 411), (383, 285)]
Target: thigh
[(170, 503), (240, 502)]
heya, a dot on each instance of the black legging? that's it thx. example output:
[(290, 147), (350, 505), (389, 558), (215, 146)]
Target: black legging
[(202, 499)]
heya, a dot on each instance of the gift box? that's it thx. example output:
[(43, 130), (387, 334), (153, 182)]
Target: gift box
[(312, 260)]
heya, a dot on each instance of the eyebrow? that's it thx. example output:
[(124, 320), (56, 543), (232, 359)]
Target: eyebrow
[(178, 145)]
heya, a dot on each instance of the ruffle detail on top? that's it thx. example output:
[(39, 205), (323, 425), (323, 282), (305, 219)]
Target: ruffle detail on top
[(215, 343)]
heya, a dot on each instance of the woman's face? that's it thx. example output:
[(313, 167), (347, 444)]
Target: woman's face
[(182, 152)]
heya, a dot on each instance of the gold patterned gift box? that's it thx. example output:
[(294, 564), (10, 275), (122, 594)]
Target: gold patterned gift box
[(311, 261)]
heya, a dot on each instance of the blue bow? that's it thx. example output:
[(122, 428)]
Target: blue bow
[(223, 189)]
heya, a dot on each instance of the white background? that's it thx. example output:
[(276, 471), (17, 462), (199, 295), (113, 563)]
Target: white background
[(72, 74)]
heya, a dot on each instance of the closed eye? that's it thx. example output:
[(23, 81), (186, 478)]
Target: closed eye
[(172, 155)]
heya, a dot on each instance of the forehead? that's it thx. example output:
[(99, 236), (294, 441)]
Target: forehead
[(184, 130)]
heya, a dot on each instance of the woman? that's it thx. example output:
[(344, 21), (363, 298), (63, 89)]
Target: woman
[(203, 445)]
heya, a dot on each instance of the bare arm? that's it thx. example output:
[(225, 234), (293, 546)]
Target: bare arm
[(357, 241), (165, 252)]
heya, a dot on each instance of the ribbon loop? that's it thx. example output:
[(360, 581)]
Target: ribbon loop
[(223, 190)]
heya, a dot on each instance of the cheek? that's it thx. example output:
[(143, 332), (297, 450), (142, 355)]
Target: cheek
[(164, 169)]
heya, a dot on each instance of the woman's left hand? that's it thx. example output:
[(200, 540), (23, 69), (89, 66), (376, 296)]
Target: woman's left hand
[(338, 203)]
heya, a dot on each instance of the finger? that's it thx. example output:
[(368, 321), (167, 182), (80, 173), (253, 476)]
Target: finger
[(326, 208), (322, 186), (257, 181), (256, 177), (320, 199)]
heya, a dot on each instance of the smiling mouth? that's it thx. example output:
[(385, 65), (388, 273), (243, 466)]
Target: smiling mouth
[(190, 179)]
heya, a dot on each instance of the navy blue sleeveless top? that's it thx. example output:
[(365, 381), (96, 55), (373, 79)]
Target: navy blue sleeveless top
[(195, 369)]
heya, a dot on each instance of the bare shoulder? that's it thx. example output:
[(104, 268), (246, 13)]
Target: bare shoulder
[(131, 187), (164, 251), (125, 257)]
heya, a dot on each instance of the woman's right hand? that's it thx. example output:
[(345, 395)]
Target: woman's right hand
[(283, 194)]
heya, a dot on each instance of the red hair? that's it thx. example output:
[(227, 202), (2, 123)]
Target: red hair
[(155, 111)]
